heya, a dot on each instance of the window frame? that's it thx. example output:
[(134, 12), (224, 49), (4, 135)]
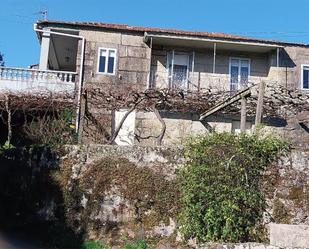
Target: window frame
[(170, 61), (302, 77), (106, 61), (239, 68)]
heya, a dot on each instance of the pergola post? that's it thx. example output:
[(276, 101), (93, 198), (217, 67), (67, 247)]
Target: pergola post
[(243, 114), (173, 61), (259, 107), (278, 63)]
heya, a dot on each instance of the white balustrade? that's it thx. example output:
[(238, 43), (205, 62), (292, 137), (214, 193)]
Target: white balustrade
[(22, 74)]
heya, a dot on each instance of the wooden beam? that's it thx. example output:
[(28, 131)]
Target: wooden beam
[(243, 114), (259, 107), (81, 119), (244, 93)]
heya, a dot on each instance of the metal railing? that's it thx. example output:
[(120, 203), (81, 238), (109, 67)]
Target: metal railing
[(33, 75), (197, 81)]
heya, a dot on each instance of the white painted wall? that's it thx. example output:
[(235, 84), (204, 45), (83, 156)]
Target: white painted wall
[(36, 86), (126, 133)]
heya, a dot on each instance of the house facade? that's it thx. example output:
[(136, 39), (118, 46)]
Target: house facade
[(151, 57), (77, 55)]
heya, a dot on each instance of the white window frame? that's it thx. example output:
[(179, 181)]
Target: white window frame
[(106, 60), (230, 65), (302, 76), (171, 62)]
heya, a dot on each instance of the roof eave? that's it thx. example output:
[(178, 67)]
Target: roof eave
[(207, 39)]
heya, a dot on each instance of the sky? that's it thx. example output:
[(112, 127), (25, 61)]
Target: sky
[(285, 20)]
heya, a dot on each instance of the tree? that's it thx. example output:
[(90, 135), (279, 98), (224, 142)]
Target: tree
[(1, 60)]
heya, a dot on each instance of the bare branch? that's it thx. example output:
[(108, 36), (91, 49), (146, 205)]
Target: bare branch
[(163, 129)]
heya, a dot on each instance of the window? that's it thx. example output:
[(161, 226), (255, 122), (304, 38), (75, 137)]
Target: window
[(239, 73), (106, 61), (178, 66), (305, 77)]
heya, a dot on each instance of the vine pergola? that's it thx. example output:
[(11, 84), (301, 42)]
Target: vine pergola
[(204, 103)]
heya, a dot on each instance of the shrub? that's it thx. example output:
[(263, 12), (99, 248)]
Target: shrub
[(52, 129), (93, 245), (141, 244), (221, 186)]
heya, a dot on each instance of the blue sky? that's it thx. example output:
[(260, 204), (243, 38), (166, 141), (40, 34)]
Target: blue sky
[(275, 19)]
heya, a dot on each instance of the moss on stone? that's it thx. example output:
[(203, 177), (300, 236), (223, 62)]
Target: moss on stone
[(280, 213), (152, 197), (297, 195)]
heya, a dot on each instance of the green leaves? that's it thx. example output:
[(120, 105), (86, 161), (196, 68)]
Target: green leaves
[(141, 244), (220, 185)]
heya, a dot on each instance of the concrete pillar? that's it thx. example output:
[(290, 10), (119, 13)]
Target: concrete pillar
[(45, 43)]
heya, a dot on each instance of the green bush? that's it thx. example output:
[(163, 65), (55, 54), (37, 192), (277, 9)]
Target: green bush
[(141, 244), (93, 245), (221, 186)]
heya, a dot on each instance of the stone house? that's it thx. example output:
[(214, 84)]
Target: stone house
[(76, 55)]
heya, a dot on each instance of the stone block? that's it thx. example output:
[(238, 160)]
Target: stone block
[(137, 52), (283, 235), (123, 51), (99, 36), (133, 64), (133, 40)]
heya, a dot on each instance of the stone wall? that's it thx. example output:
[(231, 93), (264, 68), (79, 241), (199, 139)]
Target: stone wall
[(89, 195), (132, 59), (105, 179), (285, 112), (285, 187), (181, 125)]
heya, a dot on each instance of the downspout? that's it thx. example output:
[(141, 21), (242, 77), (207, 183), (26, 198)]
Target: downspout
[(80, 83)]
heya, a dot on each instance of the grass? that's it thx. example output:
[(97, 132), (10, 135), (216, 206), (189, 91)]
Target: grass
[(93, 245)]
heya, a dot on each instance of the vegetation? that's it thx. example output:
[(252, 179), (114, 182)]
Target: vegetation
[(153, 198), (221, 186), (93, 245), (141, 244), (51, 129)]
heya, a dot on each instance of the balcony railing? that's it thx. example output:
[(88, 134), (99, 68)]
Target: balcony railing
[(198, 81), (34, 80), (35, 75)]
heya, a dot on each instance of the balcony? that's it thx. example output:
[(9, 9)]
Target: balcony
[(195, 81), (34, 80)]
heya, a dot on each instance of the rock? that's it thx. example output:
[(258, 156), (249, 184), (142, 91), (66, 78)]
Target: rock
[(295, 236)]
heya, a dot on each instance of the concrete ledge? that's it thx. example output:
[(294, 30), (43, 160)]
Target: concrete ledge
[(294, 236), (239, 246)]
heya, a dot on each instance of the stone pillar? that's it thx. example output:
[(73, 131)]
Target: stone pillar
[(45, 43)]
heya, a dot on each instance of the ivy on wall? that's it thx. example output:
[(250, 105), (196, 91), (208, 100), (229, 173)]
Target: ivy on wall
[(221, 186)]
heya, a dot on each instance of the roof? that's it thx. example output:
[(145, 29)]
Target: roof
[(139, 29)]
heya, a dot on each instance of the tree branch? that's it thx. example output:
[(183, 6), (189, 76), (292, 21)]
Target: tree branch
[(117, 130), (163, 129)]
